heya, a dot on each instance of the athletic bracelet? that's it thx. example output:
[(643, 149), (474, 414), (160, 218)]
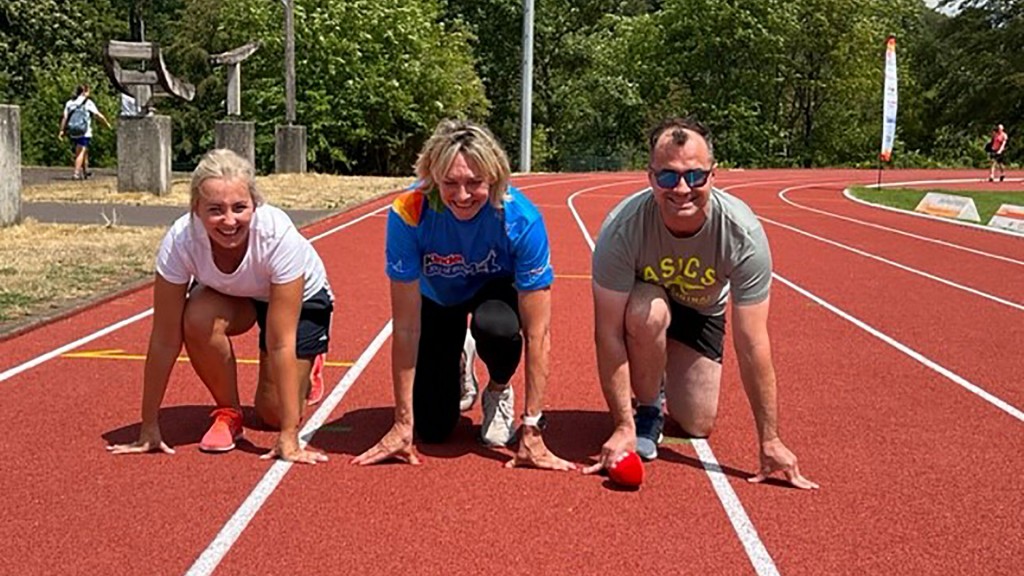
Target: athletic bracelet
[(533, 420)]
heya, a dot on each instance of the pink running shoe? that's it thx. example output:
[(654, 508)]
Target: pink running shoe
[(226, 428), (316, 381)]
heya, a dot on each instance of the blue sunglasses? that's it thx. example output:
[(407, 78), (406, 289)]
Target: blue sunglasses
[(694, 178)]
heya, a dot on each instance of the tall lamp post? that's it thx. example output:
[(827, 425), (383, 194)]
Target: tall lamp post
[(526, 103)]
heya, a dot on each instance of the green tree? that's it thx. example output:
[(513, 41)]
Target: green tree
[(47, 48)]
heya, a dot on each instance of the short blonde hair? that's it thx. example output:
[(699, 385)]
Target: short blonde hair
[(478, 144), (223, 164)]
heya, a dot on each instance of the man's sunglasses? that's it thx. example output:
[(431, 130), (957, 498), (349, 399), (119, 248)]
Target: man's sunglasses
[(694, 178)]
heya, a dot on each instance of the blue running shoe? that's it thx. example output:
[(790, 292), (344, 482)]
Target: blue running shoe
[(649, 422)]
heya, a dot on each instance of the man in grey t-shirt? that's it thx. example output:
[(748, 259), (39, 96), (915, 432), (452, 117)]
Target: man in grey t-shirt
[(666, 262)]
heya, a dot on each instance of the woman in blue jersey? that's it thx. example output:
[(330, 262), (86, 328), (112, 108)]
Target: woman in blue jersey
[(464, 242)]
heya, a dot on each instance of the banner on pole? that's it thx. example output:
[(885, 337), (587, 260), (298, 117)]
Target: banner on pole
[(890, 100)]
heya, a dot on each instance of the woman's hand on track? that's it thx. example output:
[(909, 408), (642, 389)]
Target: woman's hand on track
[(149, 441), (397, 444)]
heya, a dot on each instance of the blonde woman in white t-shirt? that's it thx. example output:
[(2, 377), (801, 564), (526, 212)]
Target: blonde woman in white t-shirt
[(231, 263)]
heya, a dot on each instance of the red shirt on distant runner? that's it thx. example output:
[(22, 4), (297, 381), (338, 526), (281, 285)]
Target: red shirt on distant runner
[(998, 140)]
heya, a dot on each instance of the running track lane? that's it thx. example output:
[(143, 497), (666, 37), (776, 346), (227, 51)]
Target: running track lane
[(461, 510), (919, 476), (599, 409)]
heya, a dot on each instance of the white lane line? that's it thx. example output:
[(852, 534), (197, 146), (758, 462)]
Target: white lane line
[(935, 366), (758, 555), (903, 267), (72, 345), (125, 322), (848, 194), (211, 557), (741, 524), (962, 223), (122, 323)]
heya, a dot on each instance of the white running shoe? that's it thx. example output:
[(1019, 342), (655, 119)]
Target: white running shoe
[(498, 426), (467, 374)]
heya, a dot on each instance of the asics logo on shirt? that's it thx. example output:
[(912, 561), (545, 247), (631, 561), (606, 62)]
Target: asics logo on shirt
[(455, 265)]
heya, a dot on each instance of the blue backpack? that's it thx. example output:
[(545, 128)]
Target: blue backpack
[(78, 121)]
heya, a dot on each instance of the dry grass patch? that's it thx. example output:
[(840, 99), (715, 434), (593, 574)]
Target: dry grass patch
[(300, 191), (47, 267)]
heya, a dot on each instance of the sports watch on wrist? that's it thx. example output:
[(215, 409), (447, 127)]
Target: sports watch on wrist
[(539, 421)]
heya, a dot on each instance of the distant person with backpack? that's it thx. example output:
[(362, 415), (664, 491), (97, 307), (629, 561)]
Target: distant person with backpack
[(995, 148), (76, 124)]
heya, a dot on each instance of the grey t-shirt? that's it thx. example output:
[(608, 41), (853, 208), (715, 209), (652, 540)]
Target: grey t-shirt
[(729, 254)]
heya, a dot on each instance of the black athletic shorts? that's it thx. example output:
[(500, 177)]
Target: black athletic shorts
[(314, 331), (705, 334)]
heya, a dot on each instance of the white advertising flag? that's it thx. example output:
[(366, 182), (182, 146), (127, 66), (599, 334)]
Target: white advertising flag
[(891, 99)]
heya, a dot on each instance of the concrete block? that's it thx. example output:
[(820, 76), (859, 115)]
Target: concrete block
[(290, 149), (238, 136), (144, 154), (10, 165)]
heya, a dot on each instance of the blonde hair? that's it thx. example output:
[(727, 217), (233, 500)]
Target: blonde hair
[(223, 164), (477, 143)]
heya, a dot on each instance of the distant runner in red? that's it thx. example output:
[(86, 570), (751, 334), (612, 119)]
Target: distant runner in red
[(231, 263), (996, 148), (667, 261)]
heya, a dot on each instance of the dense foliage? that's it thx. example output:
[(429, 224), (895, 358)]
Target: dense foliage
[(781, 82)]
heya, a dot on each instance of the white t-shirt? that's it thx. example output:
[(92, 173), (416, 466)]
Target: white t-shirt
[(90, 107), (277, 254)]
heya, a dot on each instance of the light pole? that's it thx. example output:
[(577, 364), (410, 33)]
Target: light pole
[(289, 61), (526, 104)]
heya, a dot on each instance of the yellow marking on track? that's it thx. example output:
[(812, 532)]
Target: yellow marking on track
[(118, 354), (674, 440), (574, 276)]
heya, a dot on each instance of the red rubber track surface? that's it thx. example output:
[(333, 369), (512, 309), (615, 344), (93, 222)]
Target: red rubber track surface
[(919, 475)]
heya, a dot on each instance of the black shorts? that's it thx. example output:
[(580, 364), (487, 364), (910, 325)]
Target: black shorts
[(705, 334), (997, 157), (314, 331)]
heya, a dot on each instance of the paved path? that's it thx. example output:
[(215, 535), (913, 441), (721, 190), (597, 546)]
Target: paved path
[(126, 215), (121, 214)]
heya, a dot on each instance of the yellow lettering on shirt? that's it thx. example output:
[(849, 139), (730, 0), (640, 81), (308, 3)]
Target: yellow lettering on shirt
[(668, 268), (709, 277), (692, 263)]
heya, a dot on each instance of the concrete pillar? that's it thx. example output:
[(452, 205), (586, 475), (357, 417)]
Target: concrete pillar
[(238, 136), (290, 149), (10, 165), (144, 154)]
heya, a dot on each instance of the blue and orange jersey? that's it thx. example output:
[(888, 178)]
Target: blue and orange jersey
[(453, 259)]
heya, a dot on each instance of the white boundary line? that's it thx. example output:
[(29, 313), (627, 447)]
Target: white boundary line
[(894, 264), (921, 358), (6, 374), (850, 196), (211, 557), (758, 555)]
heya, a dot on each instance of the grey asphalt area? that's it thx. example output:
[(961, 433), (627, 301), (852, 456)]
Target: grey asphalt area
[(120, 214), (125, 215)]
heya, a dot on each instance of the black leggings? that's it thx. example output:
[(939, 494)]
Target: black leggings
[(495, 326)]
